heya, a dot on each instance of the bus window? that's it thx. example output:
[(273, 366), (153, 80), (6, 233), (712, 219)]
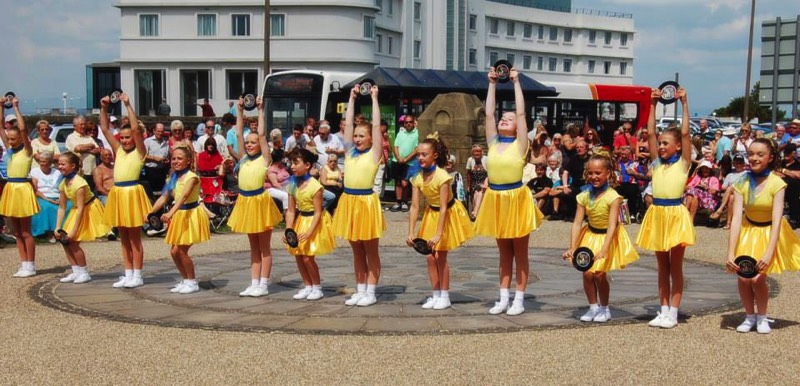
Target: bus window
[(606, 111), (628, 111)]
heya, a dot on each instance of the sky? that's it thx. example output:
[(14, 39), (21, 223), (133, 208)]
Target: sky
[(46, 45)]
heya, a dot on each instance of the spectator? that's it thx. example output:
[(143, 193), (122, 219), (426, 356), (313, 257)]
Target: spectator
[(231, 109), (459, 191), (779, 136), (793, 134), (43, 143), (222, 144), (540, 186), (176, 135), (626, 138), (207, 109), (572, 179), (593, 140), (702, 189), (103, 175), (332, 178), (555, 148), (703, 125), (723, 146), (643, 153), (45, 180), (529, 170), (327, 144), (277, 176), (233, 144), (275, 139), (156, 165), (553, 172), (405, 151), (538, 149), (743, 141), (228, 121), (163, 109), (85, 147), (727, 186), (209, 160), (697, 153), (476, 178), (630, 173), (790, 171), (298, 138), (381, 175), (568, 143)]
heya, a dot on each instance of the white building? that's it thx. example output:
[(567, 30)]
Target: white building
[(186, 50)]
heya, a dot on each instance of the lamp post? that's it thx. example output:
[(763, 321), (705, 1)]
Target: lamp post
[(746, 117), (64, 98)]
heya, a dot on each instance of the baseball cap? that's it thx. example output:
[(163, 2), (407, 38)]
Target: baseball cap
[(738, 158), (11, 117), (113, 119)]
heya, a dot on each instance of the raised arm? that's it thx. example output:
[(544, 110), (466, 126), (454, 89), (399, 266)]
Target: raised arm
[(490, 124), (3, 136), (522, 123), (349, 117), (240, 129), (377, 136), (136, 130), (686, 135), (23, 130), (262, 132), (652, 136), (104, 124)]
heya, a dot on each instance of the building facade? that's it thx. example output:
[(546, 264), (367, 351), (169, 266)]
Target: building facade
[(780, 64), (185, 50)]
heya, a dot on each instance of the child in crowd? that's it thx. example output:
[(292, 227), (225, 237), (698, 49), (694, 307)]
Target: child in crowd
[(727, 186), (540, 186)]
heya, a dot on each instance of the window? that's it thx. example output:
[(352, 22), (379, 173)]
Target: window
[(623, 40), (417, 49), (540, 34), (510, 28), (492, 58), (553, 34), (473, 56), (389, 41), (540, 63), (240, 25), (591, 66), (206, 25), (277, 25), (148, 25), (417, 11), (606, 67), (552, 63), (379, 4), (473, 22), (241, 82), (390, 7), (526, 62), (623, 68), (567, 35), (607, 39), (369, 27), (527, 31), (567, 65), (379, 42), (493, 26), (592, 37), (510, 58)]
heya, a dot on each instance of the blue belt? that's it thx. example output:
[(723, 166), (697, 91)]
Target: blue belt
[(358, 192), (510, 186), (666, 201), (125, 184), (190, 206), (251, 193), (16, 179)]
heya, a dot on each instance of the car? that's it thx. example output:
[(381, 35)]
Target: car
[(59, 135)]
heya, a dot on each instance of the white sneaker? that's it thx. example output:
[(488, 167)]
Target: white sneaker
[(134, 282), (589, 315), (747, 325), (304, 292), (441, 304), (315, 295), (120, 283), (259, 290), (69, 278), (668, 322), (247, 291), (429, 303), (762, 325), (515, 309), (82, 278), (367, 300), (602, 316), (499, 308), (24, 272), (189, 287), (656, 322), (353, 300), (177, 288)]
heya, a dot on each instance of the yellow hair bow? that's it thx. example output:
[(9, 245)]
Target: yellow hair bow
[(435, 136)]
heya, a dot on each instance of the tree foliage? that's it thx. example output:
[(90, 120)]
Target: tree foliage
[(756, 110)]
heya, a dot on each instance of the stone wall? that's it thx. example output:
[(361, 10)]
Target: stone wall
[(459, 119)]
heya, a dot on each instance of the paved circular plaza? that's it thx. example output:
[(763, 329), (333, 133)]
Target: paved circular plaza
[(554, 297)]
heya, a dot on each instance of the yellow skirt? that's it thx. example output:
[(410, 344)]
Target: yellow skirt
[(665, 227), (18, 200), (321, 241), (188, 227), (92, 225), (254, 214), (508, 214), (457, 227), (753, 242), (127, 206), (359, 218), (620, 253)]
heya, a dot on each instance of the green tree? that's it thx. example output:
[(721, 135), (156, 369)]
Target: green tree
[(736, 108)]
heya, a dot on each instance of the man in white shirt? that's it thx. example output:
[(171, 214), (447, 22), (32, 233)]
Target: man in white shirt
[(327, 144), (85, 146), (222, 144), (298, 138)]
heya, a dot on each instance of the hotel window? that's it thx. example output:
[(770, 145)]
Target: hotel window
[(379, 4), (552, 63), (592, 37), (473, 56), (417, 49), (606, 67), (623, 40), (473, 22), (540, 33), (591, 66), (148, 25), (510, 58), (277, 25), (390, 7), (492, 58), (389, 41), (527, 31), (526, 62), (493, 26), (510, 28), (206, 25), (540, 63), (568, 35), (240, 25), (623, 68), (241, 82), (417, 11), (379, 42), (369, 27), (553, 34), (607, 39), (567, 65)]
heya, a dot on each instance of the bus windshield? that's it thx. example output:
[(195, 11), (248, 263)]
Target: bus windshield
[(290, 98)]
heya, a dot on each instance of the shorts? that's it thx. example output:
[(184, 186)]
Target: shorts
[(399, 171)]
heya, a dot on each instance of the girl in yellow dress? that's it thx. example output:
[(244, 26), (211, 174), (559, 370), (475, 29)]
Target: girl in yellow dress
[(312, 224), (255, 213), (128, 203), (508, 212), (445, 224), (85, 220), (359, 218), (667, 227), (603, 234), (18, 202), (189, 223), (764, 234)]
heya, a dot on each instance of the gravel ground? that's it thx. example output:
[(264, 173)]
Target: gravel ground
[(46, 346)]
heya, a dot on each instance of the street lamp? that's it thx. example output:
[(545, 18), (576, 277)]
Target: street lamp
[(64, 98)]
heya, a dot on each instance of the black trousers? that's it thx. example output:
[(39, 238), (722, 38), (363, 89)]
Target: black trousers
[(793, 201), (630, 192), (154, 180)]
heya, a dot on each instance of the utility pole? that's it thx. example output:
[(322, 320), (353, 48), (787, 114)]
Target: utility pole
[(266, 37), (746, 117)]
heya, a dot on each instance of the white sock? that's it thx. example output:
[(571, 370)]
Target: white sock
[(82, 270), (371, 289), (137, 273), (759, 317), (28, 265), (504, 295), (191, 281), (593, 307), (751, 318), (519, 297), (316, 287), (437, 294), (264, 281), (128, 273), (444, 294), (253, 282), (673, 313), (361, 288), (603, 308), (664, 310), (307, 288), (75, 269)]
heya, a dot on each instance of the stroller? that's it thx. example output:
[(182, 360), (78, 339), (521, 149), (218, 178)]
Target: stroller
[(217, 200)]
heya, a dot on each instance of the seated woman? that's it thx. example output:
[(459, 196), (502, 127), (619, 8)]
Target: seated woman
[(277, 176), (45, 183), (331, 177), (702, 190)]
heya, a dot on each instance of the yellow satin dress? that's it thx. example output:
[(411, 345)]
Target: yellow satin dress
[(359, 216), (322, 239), (127, 204), (91, 225), (667, 226), (457, 226), (621, 252), (18, 199), (754, 238), (255, 211), (190, 224), (507, 210)]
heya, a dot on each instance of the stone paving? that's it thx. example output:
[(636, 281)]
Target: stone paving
[(554, 297)]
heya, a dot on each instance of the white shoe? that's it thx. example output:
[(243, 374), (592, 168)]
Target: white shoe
[(82, 278), (515, 309), (247, 291), (429, 303), (589, 315), (315, 295), (259, 290), (762, 325), (668, 322), (304, 292), (153, 232), (656, 322), (177, 288), (120, 283), (367, 300), (189, 287), (441, 304), (69, 278), (353, 300), (134, 282), (499, 308), (602, 316), (747, 325), (24, 272)]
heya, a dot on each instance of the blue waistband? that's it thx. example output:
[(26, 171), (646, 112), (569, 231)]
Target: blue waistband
[(251, 193), (125, 184), (190, 205), (358, 192), (510, 186), (666, 201), (17, 179)]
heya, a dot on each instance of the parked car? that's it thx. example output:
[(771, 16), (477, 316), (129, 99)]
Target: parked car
[(59, 135)]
